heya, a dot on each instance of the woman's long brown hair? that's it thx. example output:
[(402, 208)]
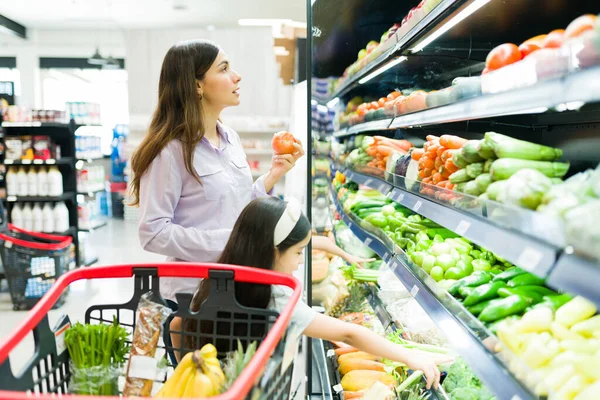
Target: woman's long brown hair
[(178, 114)]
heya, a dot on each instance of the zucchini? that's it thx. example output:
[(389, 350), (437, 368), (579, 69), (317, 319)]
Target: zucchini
[(459, 160), (483, 181), (486, 150), (507, 147), (504, 168), (460, 176), (474, 170), (471, 188), (470, 152), (495, 189)]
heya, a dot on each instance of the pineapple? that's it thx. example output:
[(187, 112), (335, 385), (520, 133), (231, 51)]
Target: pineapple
[(349, 301)]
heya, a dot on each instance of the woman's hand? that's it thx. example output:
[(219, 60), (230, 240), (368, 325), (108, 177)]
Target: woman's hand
[(421, 361), (281, 165), (349, 258)]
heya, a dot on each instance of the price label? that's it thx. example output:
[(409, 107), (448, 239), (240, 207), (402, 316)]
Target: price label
[(462, 228), (400, 197), (382, 187), (59, 337), (368, 241), (369, 182), (9, 161), (529, 259), (386, 257), (330, 353), (417, 206), (26, 162), (350, 225), (11, 198), (50, 162), (414, 291), (38, 162)]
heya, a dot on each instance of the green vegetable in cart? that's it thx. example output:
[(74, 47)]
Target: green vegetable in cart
[(483, 181), (484, 292), (378, 220), (437, 273), (504, 168), (481, 265), (511, 305), (508, 274), (526, 279), (474, 170), (460, 176), (477, 278), (486, 150), (470, 152), (507, 147)]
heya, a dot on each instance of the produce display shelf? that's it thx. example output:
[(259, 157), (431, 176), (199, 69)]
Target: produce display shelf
[(466, 335), (52, 161), (400, 44), (579, 87), (324, 368), (563, 269), (384, 316), (33, 199)]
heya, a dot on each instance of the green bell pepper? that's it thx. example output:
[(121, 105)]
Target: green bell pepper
[(411, 227), (526, 279), (414, 218), (477, 278), (395, 222), (479, 307), (484, 292), (424, 244), (533, 297), (511, 305), (378, 220), (488, 256), (465, 291), (508, 274), (556, 301)]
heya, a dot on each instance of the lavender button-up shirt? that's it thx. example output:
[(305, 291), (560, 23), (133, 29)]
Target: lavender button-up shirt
[(189, 221)]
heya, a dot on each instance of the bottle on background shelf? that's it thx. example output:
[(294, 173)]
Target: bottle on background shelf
[(12, 182), (42, 182), (55, 180), (61, 217), (32, 183), (22, 185), (16, 216), (48, 218), (38, 218), (27, 217)]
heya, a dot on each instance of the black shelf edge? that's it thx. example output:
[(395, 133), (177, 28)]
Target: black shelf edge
[(93, 228), (462, 339), (91, 262), (91, 192), (563, 269), (34, 199), (60, 161)]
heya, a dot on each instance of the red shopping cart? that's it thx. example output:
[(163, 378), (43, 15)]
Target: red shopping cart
[(33, 262), (267, 376)]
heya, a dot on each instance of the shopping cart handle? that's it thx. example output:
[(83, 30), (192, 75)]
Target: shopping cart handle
[(173, 270)]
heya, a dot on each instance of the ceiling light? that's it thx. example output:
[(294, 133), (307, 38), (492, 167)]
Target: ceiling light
[(382, 69), (448, 25), (111, 63), (96, 59)]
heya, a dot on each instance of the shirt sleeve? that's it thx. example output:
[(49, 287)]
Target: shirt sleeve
[(259, 190), (302, 315), (160, 190)]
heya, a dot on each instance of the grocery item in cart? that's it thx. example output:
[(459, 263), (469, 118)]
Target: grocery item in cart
[(141, 369)]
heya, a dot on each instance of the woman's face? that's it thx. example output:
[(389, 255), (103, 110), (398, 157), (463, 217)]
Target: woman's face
[(288, 261), (220, 86)]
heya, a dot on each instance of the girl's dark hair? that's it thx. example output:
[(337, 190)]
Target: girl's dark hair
[(178, 114), (251, 244)]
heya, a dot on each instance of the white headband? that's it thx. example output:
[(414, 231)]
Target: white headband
[(287, 221)]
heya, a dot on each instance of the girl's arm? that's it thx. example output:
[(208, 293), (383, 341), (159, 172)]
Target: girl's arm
[(328, 328), (175, 326), (326, 244)]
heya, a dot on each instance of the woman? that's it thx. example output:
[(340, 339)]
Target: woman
[(191, 179), (271, 234)]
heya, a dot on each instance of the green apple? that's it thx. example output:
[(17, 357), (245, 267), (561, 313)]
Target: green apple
[(362, 54)]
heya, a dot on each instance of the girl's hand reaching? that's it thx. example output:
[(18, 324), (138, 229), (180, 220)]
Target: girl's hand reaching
[(427, 363)]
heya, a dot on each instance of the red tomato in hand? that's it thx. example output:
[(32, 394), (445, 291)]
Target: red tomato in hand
[(283, 143), (555, 39), (502, 56), (579, 25)]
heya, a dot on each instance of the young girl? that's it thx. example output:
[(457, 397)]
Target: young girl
[(272, 234)]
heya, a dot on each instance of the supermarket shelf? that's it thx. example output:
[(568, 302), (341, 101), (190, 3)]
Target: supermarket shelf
[(563, 269), (323, 371), (35, 124), (91, 262), (384, 316), (400, 44), (465, 334), (60, 161), (33, 199), (97, 225)]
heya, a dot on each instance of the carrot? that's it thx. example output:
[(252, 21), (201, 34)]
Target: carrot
[(449, 165), (417, 154), (371, 151), (404, 145), (438, 163), (442, 184), (436, 177), (452, 142), (340, 344), (427, 172), (385, 150), (431, 138), (421, 173), (345, 350), (446, 155), (428, 163), (441, 150), (432, 150), (450, 186), (427, 180)]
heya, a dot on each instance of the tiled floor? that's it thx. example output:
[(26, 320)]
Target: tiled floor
[(115, 244)]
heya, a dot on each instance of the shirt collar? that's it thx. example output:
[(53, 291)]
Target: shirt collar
[(223, 132)]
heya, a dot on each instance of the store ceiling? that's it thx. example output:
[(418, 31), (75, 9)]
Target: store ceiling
[(131, 14)]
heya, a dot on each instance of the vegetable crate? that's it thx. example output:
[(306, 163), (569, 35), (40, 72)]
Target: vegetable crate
[(32, 264), (267, 376)]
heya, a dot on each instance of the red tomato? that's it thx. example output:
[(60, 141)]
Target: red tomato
[(373, 105), (502, 56), (554, 39), (381, 102), (283, 143), (394, 95), (579, 25), (528, 48)]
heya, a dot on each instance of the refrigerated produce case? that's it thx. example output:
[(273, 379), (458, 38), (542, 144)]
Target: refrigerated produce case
[(431, 69)]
